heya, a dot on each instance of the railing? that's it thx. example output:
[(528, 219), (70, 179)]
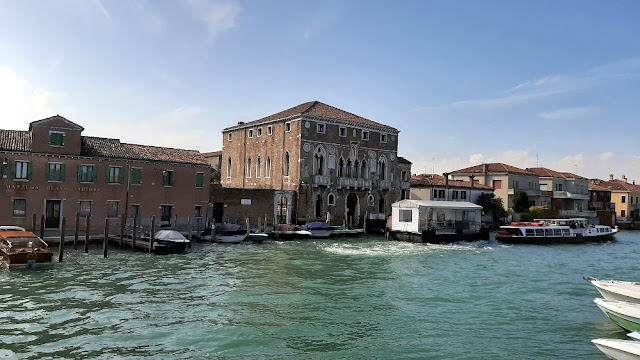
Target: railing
[(529, 192), (598, 205), (568, 195), (364, 183), (577, 213), (346, 182), (405, 184), (384, 184), (320, 180)]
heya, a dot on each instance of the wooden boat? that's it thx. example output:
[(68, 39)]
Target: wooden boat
[(617, 290), (169, 242), (619, 349), (624, 314), (429, 221), (19, 247), (318, 229), (289, 232), (545, 233)]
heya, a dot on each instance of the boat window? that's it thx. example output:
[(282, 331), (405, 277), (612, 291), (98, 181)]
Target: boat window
[(405, 215), (539, 232), (529, 232), (23, 242), (566, 232), (557, 232), (548, 232)]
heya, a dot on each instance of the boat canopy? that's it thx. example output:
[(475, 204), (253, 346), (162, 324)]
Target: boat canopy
[(463, 205), (443, 216)]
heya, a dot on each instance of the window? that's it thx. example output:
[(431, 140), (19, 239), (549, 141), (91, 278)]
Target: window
[(21, 170), (249, 167), (544, 187), (55, 171), (87, 173), (381, 206), (382, 168), (282, 210), (331, 199), (286, 164), (404, 194), (370, 200), (19, 207), (229, 168), (365, 135), (267, 168), (165, 214), (230, 137), (135, 211), (259, 132), (115, 175), (516, 184), (341, 167), (56, 138), (623, 213), (168, 178), (112, 209), (197, 211), (250, 133), (405, 215), (624, 199), (85, 208), (342, 131), (403, 175), (463, 195), (136, 176), (320, 128), (287, 126), (455, 194), (199, 179), (365, 171), (318, 161), (258, 167), (441, 194), (557, 187), (269, 130), (497, 184), (383, 138)]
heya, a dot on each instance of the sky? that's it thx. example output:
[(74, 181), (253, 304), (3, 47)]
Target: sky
[(543, 83)]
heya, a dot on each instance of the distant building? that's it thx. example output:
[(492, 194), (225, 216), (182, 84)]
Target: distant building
[(55, 171), (625, 197), (563, 191), (505, 179), (600, 195), (437, 187), (215, 160), (318, 160)]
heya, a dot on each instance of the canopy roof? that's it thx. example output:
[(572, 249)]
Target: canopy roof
[(465, 205)]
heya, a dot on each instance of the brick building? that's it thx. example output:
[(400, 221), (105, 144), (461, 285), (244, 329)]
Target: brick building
[(52, 169), (317, 159)]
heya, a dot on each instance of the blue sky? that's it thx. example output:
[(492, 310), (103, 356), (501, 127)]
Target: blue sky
[(536, 83)]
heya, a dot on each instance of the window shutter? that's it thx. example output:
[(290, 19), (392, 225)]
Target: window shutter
[(47, 171), (95, 173), (173, 178), (29, 171), (63, 171), (13, 169), (108, 171), (121, 175), (79, 173), (199, 179)]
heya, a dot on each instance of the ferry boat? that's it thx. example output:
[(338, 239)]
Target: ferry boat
[(547, 231)]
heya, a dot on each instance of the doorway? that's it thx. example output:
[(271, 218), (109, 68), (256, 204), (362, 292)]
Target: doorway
[(218, 211), (352, 202), (52, 214)]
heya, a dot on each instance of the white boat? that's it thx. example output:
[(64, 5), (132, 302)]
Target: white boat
[(230, 233), (552, 231), (581, 227), (256, 237), (318, 229), (617, 290), (431, 221), (619, 349), (634, 335), (624, 314), (169, 242)]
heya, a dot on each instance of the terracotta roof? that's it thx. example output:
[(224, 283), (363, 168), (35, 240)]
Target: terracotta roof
[(617, 185), (16, 140), (597, 184), (437, 180), (545, 172), (315, 108), (211, 154), (493, 168)]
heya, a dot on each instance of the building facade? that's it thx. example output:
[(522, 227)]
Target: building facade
[(438, 188), (320, 161), (505, 179), (563, 191), (625, 197), (55, 171)]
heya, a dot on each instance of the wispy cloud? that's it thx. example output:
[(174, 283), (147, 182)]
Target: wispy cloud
[(217, 16), (102, 9), (568, 113)]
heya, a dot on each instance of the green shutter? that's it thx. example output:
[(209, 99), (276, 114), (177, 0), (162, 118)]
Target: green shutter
[(79, 173), (108, 170), (29, 171), (136, 176), (199, 179), (121, 175), (47, 171), (95, 173), (13, 169), (173, 178), (62, 171)]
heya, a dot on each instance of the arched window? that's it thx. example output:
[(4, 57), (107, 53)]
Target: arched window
[(341, 167), (349, 167), (258, 165), (365, 171), (249, 167), (318, 161), (382, 169), (381, 207), (229, 168), (356, 169), (286, 164), (267, 168), (331, 199), (282, 210)]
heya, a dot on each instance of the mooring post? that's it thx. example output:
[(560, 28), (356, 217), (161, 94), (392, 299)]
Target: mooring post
[(86, 235), (152, 236), (42, 227), (198, 223), (106, 237), (77, 233), (61, 251), (133, 235), (122, 223), (189, 226), (34, 229)]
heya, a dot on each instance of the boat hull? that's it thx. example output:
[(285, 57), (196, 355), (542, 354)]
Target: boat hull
[(169, 247), (256, 237), (320, 233), (27, 258), (289, 235), (626, 315), (619, 349), (347, 232), (434, 237), (617, 290), (551, 240), (230, 239)]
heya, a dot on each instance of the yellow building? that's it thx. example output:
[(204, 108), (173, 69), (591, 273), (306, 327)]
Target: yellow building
[(626, 197)]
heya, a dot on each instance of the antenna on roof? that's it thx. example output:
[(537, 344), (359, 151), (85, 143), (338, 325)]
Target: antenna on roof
[(537, 162)]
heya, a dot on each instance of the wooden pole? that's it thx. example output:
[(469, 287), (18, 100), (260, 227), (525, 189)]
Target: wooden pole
[(189, 226), (133, 235), (42, 227), (33, 224), (86, 235), (77, 233), (61, 251), (152, 236), (106, 237), (122, 223)]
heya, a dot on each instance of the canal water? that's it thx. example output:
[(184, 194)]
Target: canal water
[(360, 298)]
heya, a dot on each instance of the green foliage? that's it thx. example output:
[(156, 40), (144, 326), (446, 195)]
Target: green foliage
[(520, 202), (491, 205)]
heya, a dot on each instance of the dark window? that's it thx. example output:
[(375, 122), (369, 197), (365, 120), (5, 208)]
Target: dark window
[(282, 210), (287, 126), (168, 178), (286, 164), (199, 180), (365, 135), (115, 175), (166, 213), (624, 199), (342, 131), (55, 172), (405, 215), (136, 176), (197, 211), (112, 209), (56, 139), (87, 173), (19, 207)]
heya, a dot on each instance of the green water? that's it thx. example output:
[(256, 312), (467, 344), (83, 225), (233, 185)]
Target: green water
[(364, 298)]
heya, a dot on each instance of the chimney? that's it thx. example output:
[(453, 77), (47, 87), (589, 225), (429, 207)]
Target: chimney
[(471, 178), (484, 168), (446, 179), (611, 177), (624, 179), (240, 122)]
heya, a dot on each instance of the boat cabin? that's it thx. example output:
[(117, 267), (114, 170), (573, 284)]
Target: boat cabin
[(443, 216)]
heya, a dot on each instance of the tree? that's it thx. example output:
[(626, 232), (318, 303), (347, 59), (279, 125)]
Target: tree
[(491, 205), (520, 202), (535, 212)]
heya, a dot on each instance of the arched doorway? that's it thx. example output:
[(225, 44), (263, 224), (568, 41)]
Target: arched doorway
[(319, 206), (381, 207), (352, 204)]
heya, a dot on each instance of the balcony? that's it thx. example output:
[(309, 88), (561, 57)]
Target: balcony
[(346, 183), (529, 192), (577, 213), (405, 184), (598, 205), (320, 180), (384, 184), (568, 195), (364, 183)]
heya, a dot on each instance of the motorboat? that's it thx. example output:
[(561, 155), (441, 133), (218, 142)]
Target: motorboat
[(549, 231), (429, 221), (289, 232), (634, 335), (624, 314), (619, 349), (256, 237), (169, 242), (318, 229), (230, 233), (617, 290), (20, 247), (343, 231)]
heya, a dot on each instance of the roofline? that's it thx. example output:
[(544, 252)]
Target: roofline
[(296, 117)]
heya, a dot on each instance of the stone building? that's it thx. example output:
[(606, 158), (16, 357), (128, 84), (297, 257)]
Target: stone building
[(55, 171), (319, 161)]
